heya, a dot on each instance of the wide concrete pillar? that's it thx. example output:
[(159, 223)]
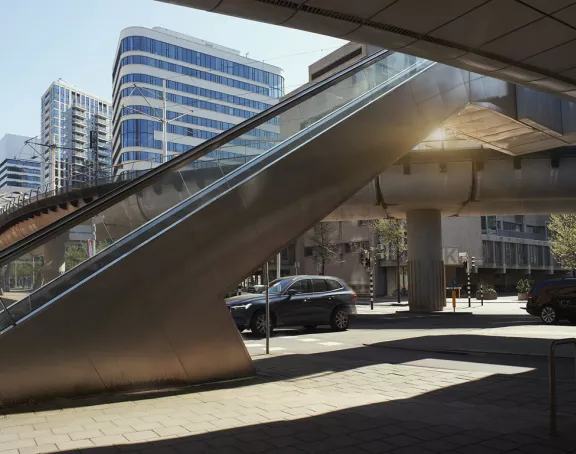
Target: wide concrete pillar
[(427, 289), (54, 252)]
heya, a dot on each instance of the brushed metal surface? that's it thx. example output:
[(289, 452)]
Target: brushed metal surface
[(156, 314)]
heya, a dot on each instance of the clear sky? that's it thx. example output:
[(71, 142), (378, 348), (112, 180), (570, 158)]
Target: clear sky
[(43, 40)]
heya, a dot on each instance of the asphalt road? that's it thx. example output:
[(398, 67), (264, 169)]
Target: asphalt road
[(497, 338)]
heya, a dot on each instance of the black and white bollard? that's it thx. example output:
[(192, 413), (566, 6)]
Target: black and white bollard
[(469, 302), (371, 289)]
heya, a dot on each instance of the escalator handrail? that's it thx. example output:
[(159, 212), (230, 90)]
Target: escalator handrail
[(131, 187)]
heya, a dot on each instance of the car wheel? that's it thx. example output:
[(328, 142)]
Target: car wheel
[(258, 324), (339, 320), (549, 315)]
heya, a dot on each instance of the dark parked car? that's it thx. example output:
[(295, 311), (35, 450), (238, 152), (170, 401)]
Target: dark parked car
[(553, 300), (297, 300)]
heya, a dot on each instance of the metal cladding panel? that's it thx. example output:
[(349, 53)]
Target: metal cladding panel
[(517, 41), (487, 22), (536, 179), (254, 10), (426, 185), (365, 10), (539, 107), (549, 6), (320, 24), (423, 17), (156, 314), (532, 39)]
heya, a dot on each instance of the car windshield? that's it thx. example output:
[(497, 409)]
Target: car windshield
[(279, 285)]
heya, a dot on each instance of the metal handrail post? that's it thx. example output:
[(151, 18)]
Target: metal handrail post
[(7, 312), (552, 380)]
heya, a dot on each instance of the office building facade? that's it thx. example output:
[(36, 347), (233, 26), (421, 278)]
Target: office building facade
[(76, 133), (172, 92), (20, 171)]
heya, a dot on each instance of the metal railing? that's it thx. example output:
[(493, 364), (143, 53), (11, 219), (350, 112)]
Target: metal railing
[(552, 380)]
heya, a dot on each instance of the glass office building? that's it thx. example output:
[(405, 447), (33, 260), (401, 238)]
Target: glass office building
[(76, 133), (20, 167), (172, 92)]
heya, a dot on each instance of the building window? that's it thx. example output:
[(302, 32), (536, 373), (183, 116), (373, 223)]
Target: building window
[(140, 43), (512, 226), (148, 61), (488, 251), (308, 251)]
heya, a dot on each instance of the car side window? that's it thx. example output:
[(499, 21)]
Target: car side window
[(320, 286), (303, 286), (334, 285), (567, 291)]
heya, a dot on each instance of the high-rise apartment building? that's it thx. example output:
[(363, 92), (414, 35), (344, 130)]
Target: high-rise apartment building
[(18, 172), (172, 92), (76, 133)]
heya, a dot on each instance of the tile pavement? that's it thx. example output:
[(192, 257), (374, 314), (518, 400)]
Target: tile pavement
[(309, 404)]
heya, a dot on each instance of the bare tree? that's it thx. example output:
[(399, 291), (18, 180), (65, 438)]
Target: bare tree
[(392, 232), (326, 250)]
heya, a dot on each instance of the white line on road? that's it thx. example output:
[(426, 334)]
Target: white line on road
[(308, 339), (254, 345), (275, 349), (330, 344)]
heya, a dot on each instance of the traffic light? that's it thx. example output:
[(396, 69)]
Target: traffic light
[(473, 265), (361, 256), (366, 261)]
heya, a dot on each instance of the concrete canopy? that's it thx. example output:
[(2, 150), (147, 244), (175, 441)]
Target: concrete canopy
[(528, 42)]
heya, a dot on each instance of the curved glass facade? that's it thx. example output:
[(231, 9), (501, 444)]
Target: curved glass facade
[(140, 133), (192, 102), (275, 82), (178, 86), (149, 61), (194, 120)]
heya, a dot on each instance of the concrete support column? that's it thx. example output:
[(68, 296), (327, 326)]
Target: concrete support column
[(427, 289), (54, 252)]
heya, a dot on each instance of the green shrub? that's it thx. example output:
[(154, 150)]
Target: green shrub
[(489, 292), (523, 286)]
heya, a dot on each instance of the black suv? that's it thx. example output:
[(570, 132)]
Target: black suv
[(553, 300), (306, 301)]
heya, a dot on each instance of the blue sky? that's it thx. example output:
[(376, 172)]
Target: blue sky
[(42, 41)]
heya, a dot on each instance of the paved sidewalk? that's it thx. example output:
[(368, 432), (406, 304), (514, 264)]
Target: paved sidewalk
[(308, 404)]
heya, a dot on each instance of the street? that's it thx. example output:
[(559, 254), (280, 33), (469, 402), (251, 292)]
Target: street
[(498, 337)]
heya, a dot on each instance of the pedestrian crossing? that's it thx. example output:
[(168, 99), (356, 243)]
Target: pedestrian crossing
[(289, 344)]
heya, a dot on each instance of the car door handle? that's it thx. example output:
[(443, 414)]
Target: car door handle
[(305, 300), (330, 297)]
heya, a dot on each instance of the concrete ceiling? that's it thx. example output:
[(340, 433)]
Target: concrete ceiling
[(529, 42)]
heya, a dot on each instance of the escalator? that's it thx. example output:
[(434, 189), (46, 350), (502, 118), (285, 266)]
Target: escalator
[(142, 303)]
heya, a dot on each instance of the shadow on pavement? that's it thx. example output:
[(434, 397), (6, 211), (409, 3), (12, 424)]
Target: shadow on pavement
[(489, 414)]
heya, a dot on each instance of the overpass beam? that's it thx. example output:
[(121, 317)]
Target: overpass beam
[(426, 291)]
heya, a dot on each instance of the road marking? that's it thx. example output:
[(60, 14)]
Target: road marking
[(308, 339), (254, 345), (330, 344), (275, 349)]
